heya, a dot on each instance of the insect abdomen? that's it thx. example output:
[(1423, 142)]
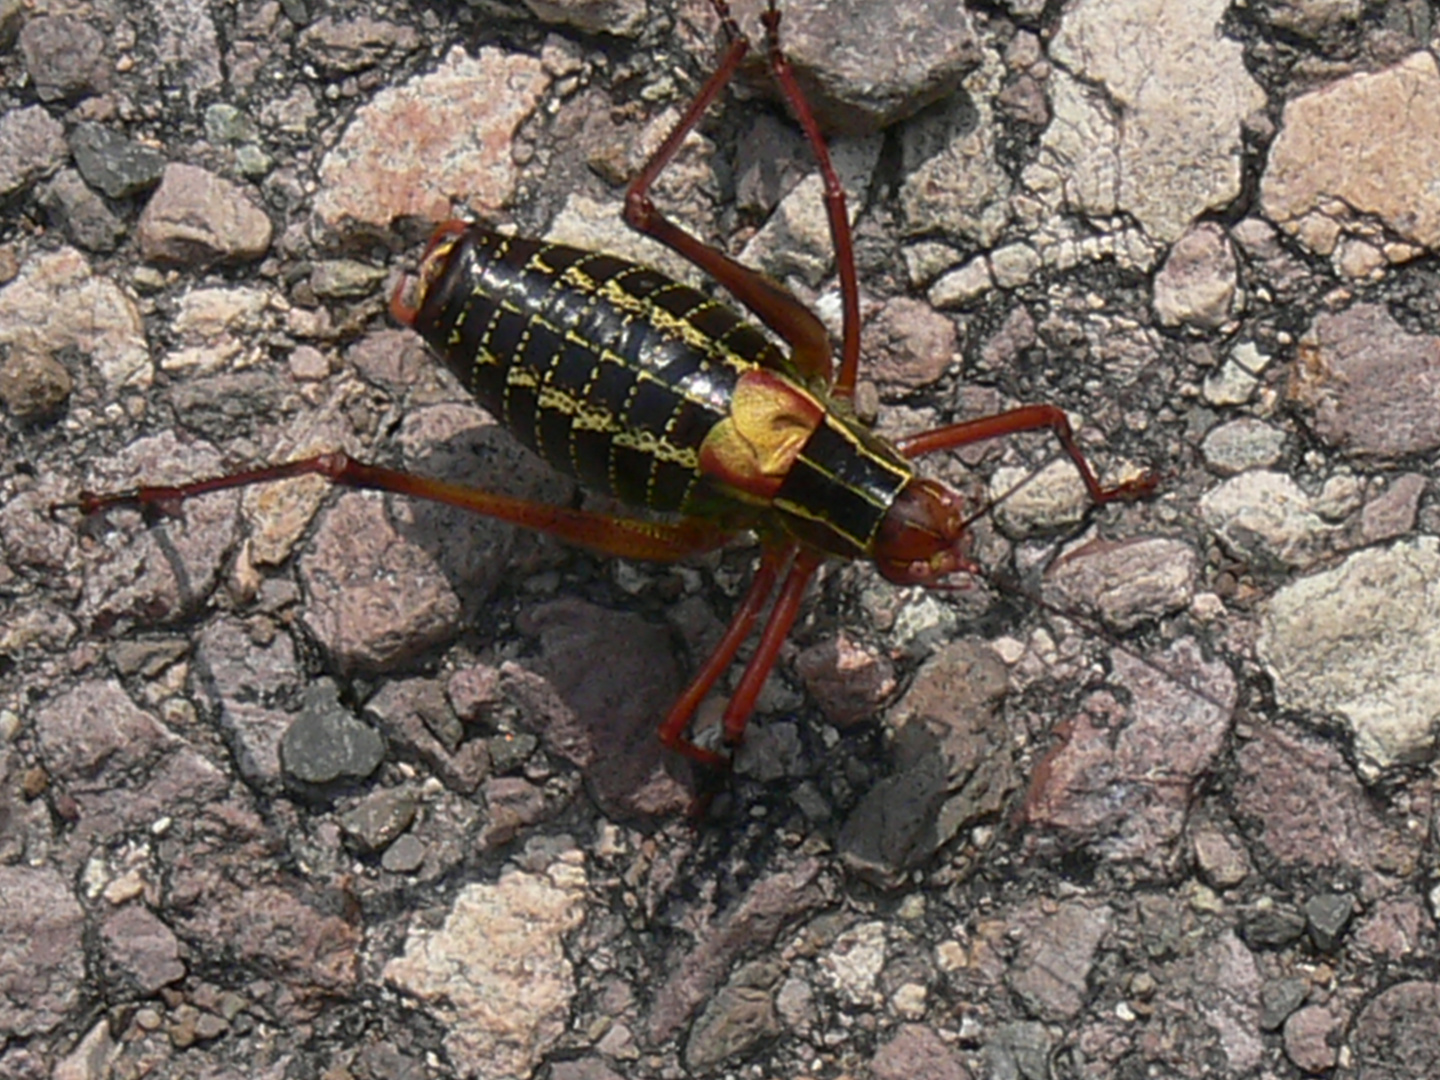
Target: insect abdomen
[(609, 370)]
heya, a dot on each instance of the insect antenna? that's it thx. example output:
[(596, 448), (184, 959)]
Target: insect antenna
[(1012, 583)]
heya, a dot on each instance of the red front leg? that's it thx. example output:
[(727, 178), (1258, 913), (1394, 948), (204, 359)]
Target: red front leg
[(672, 731), (1016, 421)]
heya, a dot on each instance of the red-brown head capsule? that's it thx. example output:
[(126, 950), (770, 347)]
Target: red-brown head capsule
[(923, 537)]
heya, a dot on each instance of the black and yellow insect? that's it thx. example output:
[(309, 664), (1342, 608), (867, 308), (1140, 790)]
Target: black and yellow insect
[(650, 391)]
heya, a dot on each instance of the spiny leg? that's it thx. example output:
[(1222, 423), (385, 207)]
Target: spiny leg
[(844, 385), (672, 731), (631, 538), (777, 629), (1016, 421), (809, 341), (770, 301)]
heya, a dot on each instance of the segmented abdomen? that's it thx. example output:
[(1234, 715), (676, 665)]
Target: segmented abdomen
[(609, 370)]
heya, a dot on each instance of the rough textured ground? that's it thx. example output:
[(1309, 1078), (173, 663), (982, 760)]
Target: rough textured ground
[(317, 784)]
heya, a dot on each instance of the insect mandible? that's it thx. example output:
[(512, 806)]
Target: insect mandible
[(654, 393)]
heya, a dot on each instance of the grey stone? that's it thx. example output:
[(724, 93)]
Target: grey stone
[(1362, 640), (1056, 954), (65, 57), (623, 18), (737, 1019), (381, 816), (405, 856), (1312, 1035), (1116, 143), (1397, 1034), (33, 386), (750, 925), (1326, 916), (865, 66), (32, 146), (109, 161), (499, 943), (1279, 998), (196, 218), (1371, 384), (1391, 132), (916, 1052), (248, 689), (57, 303), (82, 213), (346, 46), (1271, 926), (143, 948), (442, 136), (1197, 283), (1019, 1051), (1124, 582), (326, 743), (1242, 444)]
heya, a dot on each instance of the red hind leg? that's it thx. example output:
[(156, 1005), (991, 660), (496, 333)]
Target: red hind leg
[(630, 538)]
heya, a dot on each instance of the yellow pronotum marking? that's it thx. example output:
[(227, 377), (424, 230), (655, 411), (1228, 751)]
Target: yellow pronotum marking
[(754, 448)]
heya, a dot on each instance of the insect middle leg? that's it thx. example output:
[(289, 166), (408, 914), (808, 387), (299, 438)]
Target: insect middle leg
[(747, 692), (770, 301), (672, 731), (809, 342)]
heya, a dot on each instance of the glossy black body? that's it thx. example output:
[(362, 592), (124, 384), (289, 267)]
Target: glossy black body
[(615, 373)]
